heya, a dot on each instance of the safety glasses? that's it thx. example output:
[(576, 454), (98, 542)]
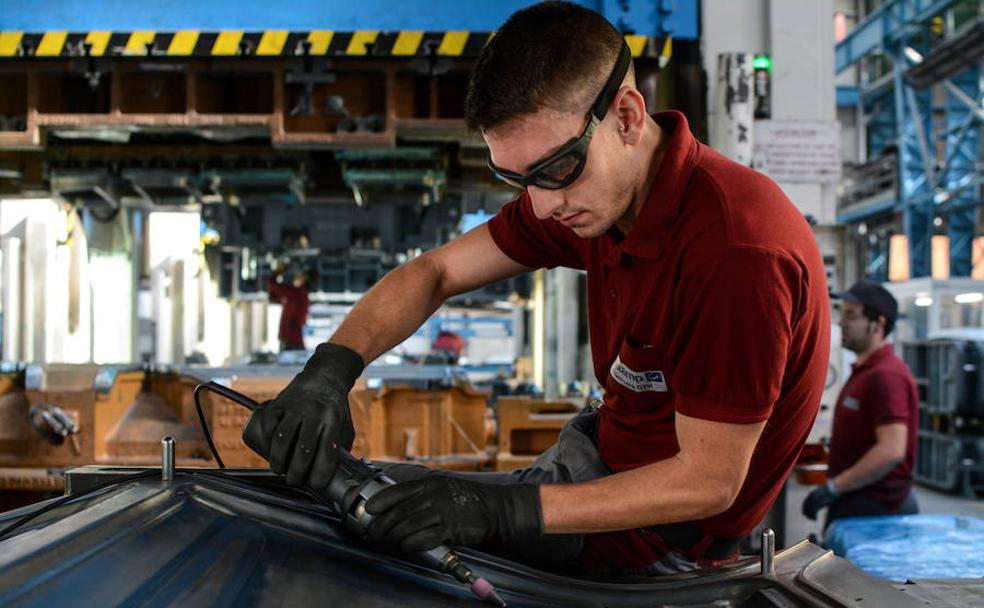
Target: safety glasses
[(561, 168)]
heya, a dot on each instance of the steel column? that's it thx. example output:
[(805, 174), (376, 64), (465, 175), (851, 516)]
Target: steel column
[(876, 261), (880, 125), (963, 150), (913, 127)]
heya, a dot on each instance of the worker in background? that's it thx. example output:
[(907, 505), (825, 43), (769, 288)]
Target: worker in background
[(448, 346), (873, 441), (295, 299), (708, 313)]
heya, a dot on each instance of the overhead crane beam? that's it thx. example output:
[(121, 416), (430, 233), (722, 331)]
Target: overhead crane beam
[(677, 18), (884, 27)]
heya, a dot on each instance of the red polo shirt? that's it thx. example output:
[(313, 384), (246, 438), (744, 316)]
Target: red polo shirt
[(714, 305), (880, 391)]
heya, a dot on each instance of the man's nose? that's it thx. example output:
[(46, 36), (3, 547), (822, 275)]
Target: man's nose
[(545, 202)]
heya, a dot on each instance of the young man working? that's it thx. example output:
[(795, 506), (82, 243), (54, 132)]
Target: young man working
[(707, 305), (876, 419)]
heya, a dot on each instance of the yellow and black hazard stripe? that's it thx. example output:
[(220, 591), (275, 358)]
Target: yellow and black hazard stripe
[(271, 43)]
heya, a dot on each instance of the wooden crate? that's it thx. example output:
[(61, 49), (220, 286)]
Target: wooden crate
[(14, 427), (23, 479), (368, 420), (72, 388), (121, 425), (440, 427), (527, 427), (124, 425)]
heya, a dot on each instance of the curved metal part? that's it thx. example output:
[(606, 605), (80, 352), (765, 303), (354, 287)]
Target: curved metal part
[(243, 538), (52, 423), (851, 586)]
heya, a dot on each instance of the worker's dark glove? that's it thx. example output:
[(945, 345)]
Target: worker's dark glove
[(300, 430), (819, 498), (419, 515)]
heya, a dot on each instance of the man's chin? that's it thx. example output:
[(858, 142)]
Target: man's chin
[(851, 346), (588, 231)]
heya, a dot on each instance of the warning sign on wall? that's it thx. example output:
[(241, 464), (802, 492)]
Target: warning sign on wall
[(797, 151)]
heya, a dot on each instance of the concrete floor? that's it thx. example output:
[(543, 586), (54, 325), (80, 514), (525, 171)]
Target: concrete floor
[(931, 501)]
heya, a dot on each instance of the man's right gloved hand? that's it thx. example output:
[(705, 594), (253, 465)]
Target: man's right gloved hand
[(299, 431)]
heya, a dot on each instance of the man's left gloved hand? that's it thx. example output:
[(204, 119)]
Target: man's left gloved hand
[(819, 498), (298, 431), (419, 515)]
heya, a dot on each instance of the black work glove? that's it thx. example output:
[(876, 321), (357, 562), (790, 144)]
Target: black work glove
[(819, 498), (420, 515), (300, 430)]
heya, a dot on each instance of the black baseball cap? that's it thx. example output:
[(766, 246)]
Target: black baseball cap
[(874, 296)]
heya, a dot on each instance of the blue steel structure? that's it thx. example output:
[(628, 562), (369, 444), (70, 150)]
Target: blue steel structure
[(963, 151), (899, 115), (676, 18)]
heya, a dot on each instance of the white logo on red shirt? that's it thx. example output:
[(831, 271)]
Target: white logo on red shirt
[(652, 380), (852, 403)]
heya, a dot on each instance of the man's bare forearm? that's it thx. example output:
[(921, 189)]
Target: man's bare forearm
[(889, 450), (701, 480), (392, 310), (875, 464), (659, 493)]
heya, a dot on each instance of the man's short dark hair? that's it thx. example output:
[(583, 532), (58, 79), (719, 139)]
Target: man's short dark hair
[(872, 315), (554, 55)]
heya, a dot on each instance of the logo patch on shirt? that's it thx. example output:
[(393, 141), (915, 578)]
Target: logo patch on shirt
[(852, 403), (652, 380)]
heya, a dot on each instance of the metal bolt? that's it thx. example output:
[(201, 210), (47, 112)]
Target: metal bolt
[(768, 552), (167, 458)]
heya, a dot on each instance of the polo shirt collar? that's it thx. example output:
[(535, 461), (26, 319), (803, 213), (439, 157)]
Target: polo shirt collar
[(650, 233), (885, 351)]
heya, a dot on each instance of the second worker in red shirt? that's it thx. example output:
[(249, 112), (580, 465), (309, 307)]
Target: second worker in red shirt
[(876, 419)]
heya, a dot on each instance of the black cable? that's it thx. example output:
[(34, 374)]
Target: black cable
[(231, 395), (201, 419), (61, 501)]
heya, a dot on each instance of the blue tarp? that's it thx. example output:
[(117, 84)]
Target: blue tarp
[(911, 546)]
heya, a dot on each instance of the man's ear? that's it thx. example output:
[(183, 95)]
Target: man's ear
[(630, 111)]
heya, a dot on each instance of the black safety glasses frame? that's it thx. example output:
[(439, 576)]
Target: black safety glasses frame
[(561, 168)]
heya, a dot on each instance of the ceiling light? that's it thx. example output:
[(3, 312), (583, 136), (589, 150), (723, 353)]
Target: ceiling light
[(969, 298)]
